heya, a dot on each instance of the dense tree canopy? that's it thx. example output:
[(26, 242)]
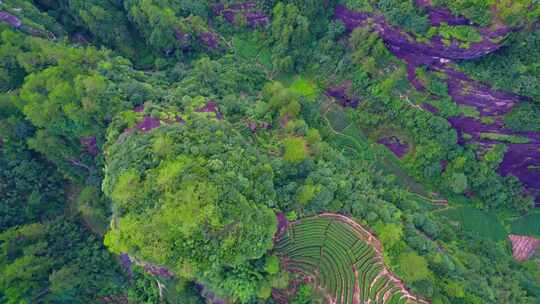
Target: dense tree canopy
[(152, 151), (197, 205)]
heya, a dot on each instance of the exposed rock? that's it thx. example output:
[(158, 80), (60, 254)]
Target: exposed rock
[(90, 144), (211, 107), (148, 123), (438, 15), (396, 145), (430, 108), (154, 270), (252, 126), (283, 223), (209, 39), (340, 94), (181, 36), (10, 19), (254, 17), (139, 108), (521, 159), (406, 43), (443, 163)]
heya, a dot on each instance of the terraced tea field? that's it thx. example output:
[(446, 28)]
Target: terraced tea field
[(342, 259)]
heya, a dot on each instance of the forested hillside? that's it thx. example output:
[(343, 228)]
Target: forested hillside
[(270, 151)]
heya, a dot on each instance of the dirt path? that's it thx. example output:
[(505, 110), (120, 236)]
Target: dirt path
[(356, 293)]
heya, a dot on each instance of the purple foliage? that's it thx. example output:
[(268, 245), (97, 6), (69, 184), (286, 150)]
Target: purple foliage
[(209, 39), (90, 144), (396, 145), (10, 19), (211, 107), (148, 123)]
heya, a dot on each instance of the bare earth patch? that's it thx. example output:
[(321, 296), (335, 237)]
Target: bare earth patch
[(523, 247)]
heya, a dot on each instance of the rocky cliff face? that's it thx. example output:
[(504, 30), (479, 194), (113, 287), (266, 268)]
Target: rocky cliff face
[(523, 154)]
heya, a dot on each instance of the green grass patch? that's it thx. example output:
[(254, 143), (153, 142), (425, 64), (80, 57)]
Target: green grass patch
[(337, 118), (390, 166), (482, 223), (462, 33), (245, 48), (469, 111), (513, 139), (354, 138), (349, 138), (527, 225), (250, 49), (304, 87)]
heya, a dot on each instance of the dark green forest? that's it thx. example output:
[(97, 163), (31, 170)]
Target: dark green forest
[(159, 151)]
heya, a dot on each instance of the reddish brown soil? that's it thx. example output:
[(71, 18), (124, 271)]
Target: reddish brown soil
[(356, 294), (523, 247)]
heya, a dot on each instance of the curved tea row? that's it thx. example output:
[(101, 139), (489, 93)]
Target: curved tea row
[(343, 260)]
